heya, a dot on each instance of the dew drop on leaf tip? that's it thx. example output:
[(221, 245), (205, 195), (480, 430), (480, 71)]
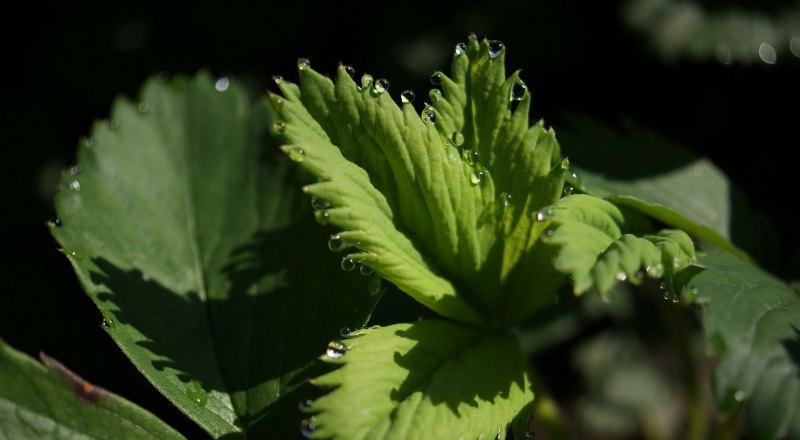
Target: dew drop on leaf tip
[(196, 393), (366, 81), (75, 185), (429, 115), (296, 154), (319, 204), (337, 244), (348, 264), (435, 95), (351, 71), (279, 127), (277, 78), (380, 87), (144, 106), (365, 270), (307, 427), (113, 124), (517, 90), (460, 49), (304, 404), (436, 79), (495, 49), (505, 199), (303, 63), (55, 222), (75, 169), (407, 97)]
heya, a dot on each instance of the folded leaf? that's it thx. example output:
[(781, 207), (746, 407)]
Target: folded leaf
[(185, 228), (596, 247), (752, 323), (50, 402), (438, 204), (429, 379)]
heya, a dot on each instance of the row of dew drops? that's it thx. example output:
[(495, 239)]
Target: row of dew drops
[(380, 86)]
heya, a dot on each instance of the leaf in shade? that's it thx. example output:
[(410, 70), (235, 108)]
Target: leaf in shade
[(51, 402), (752, 323), (187, 229)]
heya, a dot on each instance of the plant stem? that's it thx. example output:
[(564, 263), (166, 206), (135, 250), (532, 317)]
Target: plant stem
[(697, 405)]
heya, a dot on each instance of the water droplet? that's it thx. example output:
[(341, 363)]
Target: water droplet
[(277, 78), (435, 95), (457, 139), (303, 63), (436, 79), (344, 331), (380, 87), (407, 97), (517, 90), (75, 185), (366, 81), (767, 53), (544, 214), (429, 115), (495, 49), (322, 217), (75, 169), (335, 350), (277, 102), (90, 141), (460, 49), (565, 164), (296, 154), (621, 276), (567, 191), (471, 156), (472, 36), (351, 71), (739, 395), (144, 106), (476, 177), (222, 84), (107, 323), (278, 127), (304, 404), (196, 393), (113, 124), (677, 262), (530, 435), (365, 270), (505, 199), (319, 204), (348, 264), (337, 244), (676, 298), (307, 427), (656, 271), (55, 222), (640, 275)]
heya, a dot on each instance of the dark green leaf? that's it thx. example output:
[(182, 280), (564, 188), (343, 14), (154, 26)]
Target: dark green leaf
[(188, 231), (752, 322), (51, 402)]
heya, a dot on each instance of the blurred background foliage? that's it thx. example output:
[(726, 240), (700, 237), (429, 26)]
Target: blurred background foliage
[(717, 78)]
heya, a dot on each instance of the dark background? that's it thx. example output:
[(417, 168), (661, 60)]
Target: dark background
[(65, 63)]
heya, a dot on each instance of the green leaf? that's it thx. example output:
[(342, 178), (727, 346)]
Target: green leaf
[(51, 402), (678, 188), (188, 231), (439, 204), (596, 244), (752, 322), (429, 379)]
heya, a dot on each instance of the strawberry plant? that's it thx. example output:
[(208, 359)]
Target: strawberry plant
[(240, 280)]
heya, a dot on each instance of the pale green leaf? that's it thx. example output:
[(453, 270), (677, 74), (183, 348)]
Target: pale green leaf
[(187, 229), (752, 323), (597, 246), (430, 379), (433, 200), (48, 401)]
